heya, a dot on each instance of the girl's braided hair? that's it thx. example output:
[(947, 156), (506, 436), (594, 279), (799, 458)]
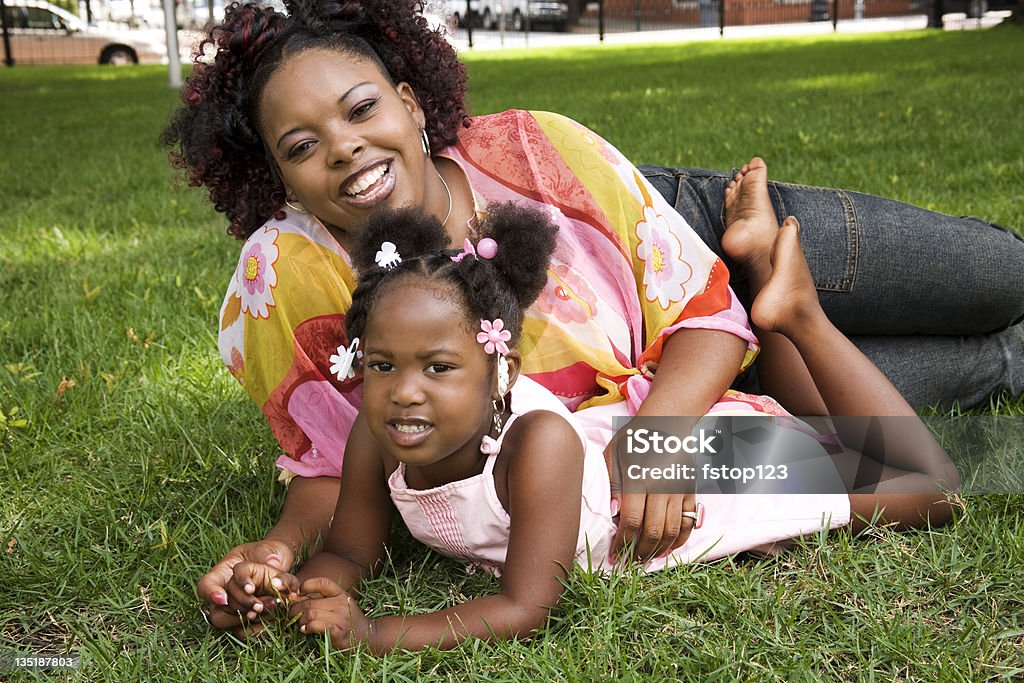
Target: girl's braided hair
[(501, 287), (215, 136)]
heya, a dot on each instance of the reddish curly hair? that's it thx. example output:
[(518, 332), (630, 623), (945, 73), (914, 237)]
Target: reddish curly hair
[(214, 136)]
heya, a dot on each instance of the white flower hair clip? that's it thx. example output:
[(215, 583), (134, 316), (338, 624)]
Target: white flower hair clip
[(343, 364), (387, 256), (494, 336)]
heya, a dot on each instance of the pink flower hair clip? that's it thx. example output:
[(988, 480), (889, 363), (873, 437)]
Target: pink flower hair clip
[(494, 336), (486, 249)]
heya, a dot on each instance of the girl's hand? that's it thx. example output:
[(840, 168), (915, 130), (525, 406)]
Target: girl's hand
[(237, 591), (325, 608)]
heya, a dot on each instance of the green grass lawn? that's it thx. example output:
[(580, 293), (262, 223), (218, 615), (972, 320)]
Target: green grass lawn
[(133, 461)]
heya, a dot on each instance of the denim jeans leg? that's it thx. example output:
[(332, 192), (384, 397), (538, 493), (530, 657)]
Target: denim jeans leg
[(881, 267), (903, 270), (893, 271), (948, 371), (939, 371)]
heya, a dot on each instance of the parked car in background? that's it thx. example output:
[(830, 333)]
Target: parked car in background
[(195, 14), (41, 33), (518, 14)]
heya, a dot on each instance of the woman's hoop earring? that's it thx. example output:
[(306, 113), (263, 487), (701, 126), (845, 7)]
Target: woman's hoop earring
[(499, 408), (295, 208), (425, 142)]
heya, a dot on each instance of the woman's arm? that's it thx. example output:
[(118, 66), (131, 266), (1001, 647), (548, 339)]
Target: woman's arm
[(545, 478), (313, 283), (306, 515)]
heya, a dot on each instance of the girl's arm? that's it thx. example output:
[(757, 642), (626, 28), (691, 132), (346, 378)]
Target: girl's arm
[(355, 543), (545, 476)]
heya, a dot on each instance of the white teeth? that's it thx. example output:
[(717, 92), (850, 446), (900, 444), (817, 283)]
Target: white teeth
[(364, 181), (410, 429)]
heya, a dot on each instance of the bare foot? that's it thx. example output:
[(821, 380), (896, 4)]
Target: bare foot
[(788, 301), (750, 222)]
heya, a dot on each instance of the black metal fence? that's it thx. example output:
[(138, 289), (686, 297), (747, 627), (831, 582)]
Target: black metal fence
[(38, 32), (607, 18)]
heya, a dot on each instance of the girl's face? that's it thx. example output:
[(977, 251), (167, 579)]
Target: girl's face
[(427, 383), (345, 139)]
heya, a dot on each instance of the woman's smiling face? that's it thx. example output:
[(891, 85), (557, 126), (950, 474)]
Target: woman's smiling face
[(345, 139)]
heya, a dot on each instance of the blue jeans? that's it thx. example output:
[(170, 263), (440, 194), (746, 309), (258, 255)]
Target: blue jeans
[(935, 301)]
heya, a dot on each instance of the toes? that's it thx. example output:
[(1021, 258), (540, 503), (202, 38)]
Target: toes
[(787, 243)]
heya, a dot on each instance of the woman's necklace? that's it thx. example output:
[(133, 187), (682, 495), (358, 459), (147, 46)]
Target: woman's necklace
[(449, 193)]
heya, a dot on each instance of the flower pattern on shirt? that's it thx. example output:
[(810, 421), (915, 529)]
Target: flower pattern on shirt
[(256, 275), (237, 365), (567, 296), (591, 140), (665, 271)]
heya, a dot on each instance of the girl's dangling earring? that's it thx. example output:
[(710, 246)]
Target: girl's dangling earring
[(489, 444), (503, 380), (493, 336), (425, 142), (499, 408)]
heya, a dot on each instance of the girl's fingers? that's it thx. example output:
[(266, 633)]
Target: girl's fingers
[(320, 587), (284, 585), (319, 627), (255, 577), (239, 599)]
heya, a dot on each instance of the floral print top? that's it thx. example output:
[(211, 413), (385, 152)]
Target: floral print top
[(627, 272)]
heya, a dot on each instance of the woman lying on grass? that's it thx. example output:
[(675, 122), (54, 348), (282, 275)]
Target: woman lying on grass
[(486, 466)]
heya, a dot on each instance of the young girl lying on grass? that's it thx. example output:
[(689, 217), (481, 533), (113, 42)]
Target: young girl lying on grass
[(486, 466)]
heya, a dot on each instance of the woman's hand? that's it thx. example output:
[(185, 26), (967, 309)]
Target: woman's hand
[(695, 370), (237, 591), (653, 524), (323, 607)]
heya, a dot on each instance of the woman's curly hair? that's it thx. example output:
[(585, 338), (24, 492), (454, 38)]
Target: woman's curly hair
[(215, 135), (500, 287)]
